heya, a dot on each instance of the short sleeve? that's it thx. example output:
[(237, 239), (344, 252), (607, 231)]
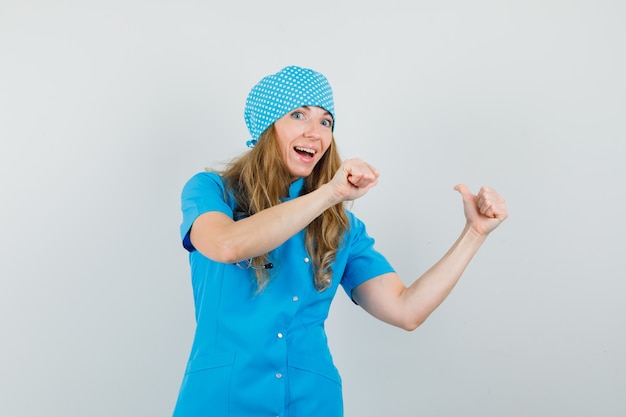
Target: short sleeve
[(364, 261), (204, 192)]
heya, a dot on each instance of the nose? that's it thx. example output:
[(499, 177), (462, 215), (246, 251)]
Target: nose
[(313, 130)]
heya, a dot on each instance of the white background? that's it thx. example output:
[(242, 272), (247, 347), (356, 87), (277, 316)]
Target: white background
[(107, 108)]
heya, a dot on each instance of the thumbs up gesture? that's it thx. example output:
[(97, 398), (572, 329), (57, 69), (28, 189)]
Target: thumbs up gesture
[(483, 211)]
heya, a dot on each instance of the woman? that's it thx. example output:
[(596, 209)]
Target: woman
[(270, 241)]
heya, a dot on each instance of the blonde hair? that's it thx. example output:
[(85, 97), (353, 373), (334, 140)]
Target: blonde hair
[(259, 178)]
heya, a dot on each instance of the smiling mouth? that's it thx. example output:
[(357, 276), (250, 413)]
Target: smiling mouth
[(305, 151)]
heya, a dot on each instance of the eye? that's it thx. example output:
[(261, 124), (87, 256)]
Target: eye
[(297, 115), (327, 123)]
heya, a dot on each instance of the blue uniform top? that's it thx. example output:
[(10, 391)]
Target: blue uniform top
[(264, 354)]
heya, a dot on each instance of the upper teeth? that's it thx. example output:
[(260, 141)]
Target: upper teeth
[(307, 150)]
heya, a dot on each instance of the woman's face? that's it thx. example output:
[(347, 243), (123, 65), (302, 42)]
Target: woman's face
[(303, 135)]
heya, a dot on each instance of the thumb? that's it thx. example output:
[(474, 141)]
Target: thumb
[(464, 191)]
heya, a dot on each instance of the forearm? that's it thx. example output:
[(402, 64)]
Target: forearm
[(270, 228), (422, 297), (387, 298), (262, 232)]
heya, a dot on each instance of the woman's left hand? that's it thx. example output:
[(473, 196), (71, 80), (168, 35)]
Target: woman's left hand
[(483, 211)]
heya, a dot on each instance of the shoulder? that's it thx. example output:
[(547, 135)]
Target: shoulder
[(202, 182), (356, 235), (355, 225), (205, 177)]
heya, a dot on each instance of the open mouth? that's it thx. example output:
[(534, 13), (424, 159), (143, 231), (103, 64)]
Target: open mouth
[(310, 153)]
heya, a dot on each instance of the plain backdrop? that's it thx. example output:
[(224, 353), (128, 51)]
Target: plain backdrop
[(108, 107)]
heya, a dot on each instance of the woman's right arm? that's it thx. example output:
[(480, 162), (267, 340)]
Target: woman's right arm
[(222, 239)]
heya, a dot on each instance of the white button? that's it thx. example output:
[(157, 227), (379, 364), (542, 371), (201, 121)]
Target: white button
[(279, 375), (306, 260), (280, 335), (295, 298)]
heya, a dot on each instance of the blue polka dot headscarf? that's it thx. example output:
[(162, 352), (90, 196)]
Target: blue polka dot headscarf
[(278, 94)]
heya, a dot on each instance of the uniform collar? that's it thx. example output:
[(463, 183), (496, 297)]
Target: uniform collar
[(295, 188)]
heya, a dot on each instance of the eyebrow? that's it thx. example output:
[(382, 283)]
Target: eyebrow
[(309, 107)]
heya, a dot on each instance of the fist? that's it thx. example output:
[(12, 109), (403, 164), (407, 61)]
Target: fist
[(483, 211), (354, 179)]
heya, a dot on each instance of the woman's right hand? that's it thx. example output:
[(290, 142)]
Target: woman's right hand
[(354, 179)]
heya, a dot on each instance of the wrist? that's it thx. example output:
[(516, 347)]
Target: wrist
[(329, 195), (473, 233)]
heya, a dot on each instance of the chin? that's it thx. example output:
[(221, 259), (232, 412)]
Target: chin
[(301, 173)]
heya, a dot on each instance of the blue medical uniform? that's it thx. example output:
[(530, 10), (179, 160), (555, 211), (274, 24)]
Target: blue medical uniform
[(264, 354)]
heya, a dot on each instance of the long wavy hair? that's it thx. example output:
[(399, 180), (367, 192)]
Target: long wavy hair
[(259, 178)]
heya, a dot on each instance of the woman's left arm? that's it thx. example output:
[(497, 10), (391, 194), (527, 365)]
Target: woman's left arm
[(388, 299)]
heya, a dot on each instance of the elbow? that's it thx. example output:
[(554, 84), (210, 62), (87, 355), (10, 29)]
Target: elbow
[(211, 234), (410, 326), (411, 323), (219, 251), (226, 254), (229, 252)]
